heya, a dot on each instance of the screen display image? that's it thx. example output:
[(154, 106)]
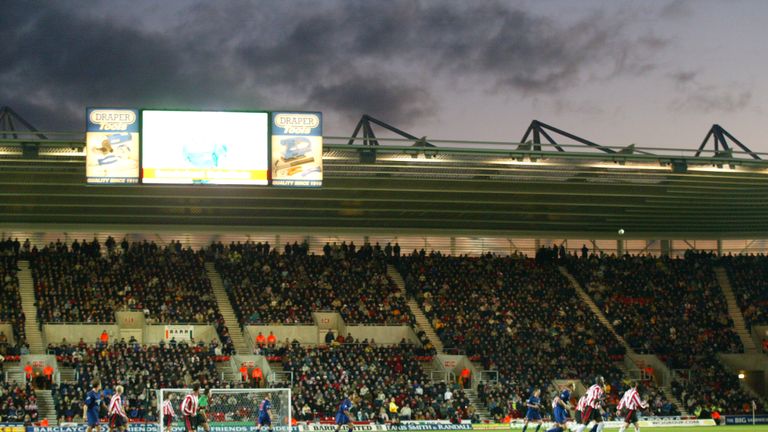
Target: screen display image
[(297, 149), (112, 146), (205, 147)]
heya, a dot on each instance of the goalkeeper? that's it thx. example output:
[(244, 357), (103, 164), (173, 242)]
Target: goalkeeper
[(202, 410)]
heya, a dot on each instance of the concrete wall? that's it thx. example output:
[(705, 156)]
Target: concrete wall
[(54, 333), (130, 319), (8, 331), (305, 334), (754, 367), (382, 334), (312, 335), (758, 334), (153, 334), (661, 373), (327, 320), (90, 333)]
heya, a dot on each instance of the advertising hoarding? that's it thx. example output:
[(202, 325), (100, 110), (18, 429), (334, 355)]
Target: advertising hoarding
[(112, 146), (297, 149)]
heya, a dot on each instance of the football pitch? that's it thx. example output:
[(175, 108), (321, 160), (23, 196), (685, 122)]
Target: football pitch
[(739, 428)]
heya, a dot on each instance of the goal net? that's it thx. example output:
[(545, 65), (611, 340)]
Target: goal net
[(228, 410)]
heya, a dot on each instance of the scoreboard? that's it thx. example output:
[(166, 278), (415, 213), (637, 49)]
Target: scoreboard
[(149, 146)]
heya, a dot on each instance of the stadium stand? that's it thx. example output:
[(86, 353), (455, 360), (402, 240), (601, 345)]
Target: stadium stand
[(18, 403), (669, 307), (139, 368), (10, 303), (749, 278), (709, 388), (373, 375), (81, 284), (266, 287), (514, 315)]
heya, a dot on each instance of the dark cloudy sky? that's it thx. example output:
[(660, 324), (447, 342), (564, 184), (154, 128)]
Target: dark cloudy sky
[(655, 73)]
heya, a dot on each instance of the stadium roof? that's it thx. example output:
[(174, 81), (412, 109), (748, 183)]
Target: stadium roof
[(407, 184)]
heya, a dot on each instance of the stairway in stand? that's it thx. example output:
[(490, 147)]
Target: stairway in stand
[(421, 319), (482, 409), (604, 321), (225, 307), (734, 311), (224, 369), (31, 326), (45, 406)]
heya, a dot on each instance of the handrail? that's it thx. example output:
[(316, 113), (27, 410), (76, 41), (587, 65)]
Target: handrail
[(470, 147)]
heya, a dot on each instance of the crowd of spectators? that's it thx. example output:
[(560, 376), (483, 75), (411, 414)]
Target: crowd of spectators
[(748, 275), (709, 388), (504, 406), (514, 315), (18, 404), (673, 308), (267, 287), (10, 300), (140, 368), (374, 377), (79, 283)]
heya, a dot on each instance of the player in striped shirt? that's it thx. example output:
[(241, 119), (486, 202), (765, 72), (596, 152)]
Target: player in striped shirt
[(168, 412), (580, 405), (593, 407), (628, 406), (189, 409), (118, 419)]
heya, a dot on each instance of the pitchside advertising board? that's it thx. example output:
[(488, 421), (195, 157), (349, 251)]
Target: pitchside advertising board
[(371, 427), (204, 147)]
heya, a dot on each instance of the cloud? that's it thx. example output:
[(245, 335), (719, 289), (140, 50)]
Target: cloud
[(681, 78), (390, 59), (693, 95), (720, 100), (676, 9)]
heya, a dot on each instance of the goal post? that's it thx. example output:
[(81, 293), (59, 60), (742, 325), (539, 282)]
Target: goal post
[(229, 410)]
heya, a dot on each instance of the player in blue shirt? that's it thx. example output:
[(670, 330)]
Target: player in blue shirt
[(265, 414), (92, 406), (560, 409), (343, 416), (534, 410)]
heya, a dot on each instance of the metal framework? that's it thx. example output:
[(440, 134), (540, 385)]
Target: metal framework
[(369, 137), (538, 129), (720, 137), (9, 120)]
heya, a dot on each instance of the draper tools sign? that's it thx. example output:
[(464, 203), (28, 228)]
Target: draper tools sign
[(297, 149), (112, 145)]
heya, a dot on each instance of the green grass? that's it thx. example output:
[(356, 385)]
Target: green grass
[(745, 428), (740, 428)]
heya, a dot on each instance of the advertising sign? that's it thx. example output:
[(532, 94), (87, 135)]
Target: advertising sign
[(112, 145), (746, 420), (205, 147), (297, 149)]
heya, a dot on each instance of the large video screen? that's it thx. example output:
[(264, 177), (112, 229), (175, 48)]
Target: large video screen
[(112, 146), (205, 147)]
